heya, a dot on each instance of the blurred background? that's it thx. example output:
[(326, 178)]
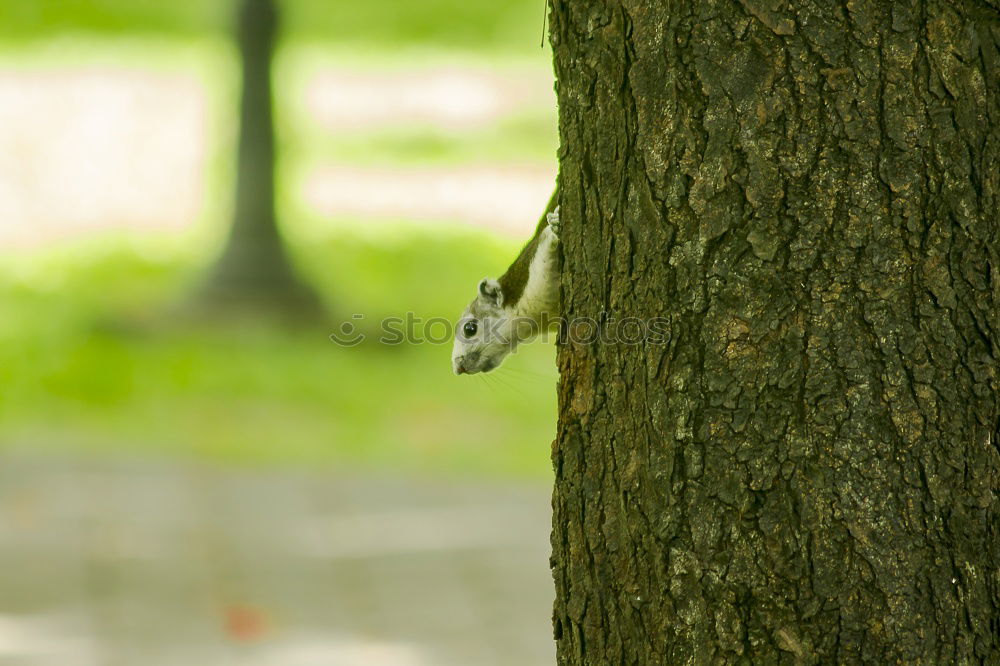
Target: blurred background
[(191, 471)]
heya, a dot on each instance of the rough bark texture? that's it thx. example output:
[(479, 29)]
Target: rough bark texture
[(808, 470), (254, 269)]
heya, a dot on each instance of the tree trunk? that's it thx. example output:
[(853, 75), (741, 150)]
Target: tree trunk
[(254, 269), (803, 198)]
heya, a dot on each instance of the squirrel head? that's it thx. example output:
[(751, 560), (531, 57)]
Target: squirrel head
[(484, 335)]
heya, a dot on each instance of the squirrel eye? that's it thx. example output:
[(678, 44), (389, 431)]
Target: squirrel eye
[(470, 328)]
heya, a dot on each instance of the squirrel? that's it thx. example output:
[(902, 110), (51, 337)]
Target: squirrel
[(514, 308)]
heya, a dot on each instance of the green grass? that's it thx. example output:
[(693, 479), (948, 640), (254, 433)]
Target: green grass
[(92, 358), (518, 139), (92, 361), (42, 19)]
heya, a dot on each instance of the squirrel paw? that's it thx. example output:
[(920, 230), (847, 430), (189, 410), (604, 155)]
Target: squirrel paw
[(553, 221)]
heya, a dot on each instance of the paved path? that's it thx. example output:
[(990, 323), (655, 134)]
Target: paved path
[(144, 564)]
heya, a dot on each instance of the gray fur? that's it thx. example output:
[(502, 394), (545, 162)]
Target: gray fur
[(514, 308)]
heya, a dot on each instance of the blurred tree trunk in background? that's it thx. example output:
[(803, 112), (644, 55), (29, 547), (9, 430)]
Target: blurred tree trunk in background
[(808, 471), (254, 269)]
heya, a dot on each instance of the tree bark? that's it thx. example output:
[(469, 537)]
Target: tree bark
[(254, 269), (806, 469)]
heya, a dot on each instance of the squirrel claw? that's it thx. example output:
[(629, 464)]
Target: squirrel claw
[(553, 221)]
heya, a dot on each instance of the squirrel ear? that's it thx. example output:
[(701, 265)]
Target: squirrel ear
[(490, 290)]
